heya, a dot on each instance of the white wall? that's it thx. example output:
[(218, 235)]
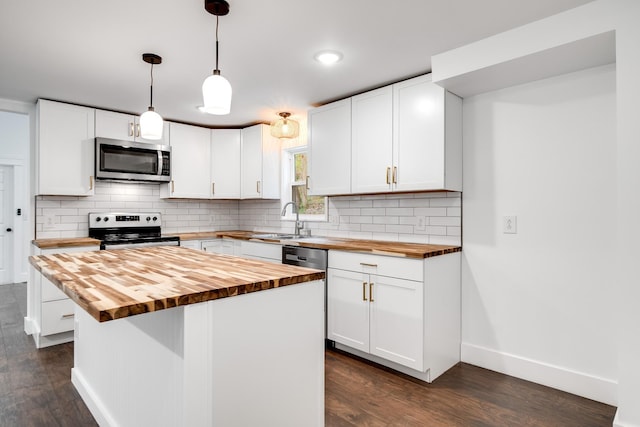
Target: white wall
[(539, 304)]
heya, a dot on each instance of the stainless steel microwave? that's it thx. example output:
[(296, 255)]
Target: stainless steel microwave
[(132, 161)]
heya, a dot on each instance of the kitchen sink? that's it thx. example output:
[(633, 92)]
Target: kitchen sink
[(275, 236)]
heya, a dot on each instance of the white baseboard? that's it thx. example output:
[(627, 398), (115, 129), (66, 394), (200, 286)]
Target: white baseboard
[(94, 404), (592, 387)]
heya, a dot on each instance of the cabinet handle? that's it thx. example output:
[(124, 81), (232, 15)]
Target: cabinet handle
[(130, 128), (258, 186), (138, 130), (368, 265), (91, 182), (395, 175), (306, 182), (173, 188), (213, 188), (364, 291), (387, 176), (371, 292), (67, 316)]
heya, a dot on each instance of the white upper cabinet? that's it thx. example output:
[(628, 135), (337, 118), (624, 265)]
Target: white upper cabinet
[(190, 163), (260, 168), (125, 127), (427, 137), (371, 143), (330, 149), (402, 137), (225, 163), (65, 147)]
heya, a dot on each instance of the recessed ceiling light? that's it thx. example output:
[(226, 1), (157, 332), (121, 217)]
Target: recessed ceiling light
[(328, 57)]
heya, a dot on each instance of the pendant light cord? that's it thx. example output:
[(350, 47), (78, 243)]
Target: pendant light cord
[(151, 95), (217, 20)]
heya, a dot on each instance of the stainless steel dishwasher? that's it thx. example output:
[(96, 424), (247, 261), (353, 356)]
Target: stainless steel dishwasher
[(310, 258)]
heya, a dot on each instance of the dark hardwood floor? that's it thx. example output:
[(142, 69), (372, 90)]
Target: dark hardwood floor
[(35, 390)]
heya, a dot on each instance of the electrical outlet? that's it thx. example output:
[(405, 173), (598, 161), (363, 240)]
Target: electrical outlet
[(421, 223), (49, 222), (510, 224), (212, 219), (334, 219)]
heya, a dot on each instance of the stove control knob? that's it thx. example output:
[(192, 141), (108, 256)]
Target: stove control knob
[(106, 218), (98, 219), (155, 218), (148, 218)]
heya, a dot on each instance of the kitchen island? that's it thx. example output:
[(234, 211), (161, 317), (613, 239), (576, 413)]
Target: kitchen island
[(169, 336)]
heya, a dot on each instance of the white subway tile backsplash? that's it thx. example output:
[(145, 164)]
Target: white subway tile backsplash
[(389, 217)]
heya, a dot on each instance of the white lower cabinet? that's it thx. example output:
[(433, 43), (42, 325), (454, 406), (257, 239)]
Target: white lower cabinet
[(270, 252), (50, 311), (191, 244), (221, 246), (403, 311)]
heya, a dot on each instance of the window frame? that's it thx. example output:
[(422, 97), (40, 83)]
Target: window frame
[(288, 175)]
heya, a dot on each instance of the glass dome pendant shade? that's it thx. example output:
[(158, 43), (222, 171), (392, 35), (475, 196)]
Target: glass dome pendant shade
[(151, 124), (285, 127), (216, 90)]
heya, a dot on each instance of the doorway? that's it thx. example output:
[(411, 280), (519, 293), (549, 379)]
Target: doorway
[(6, 225)]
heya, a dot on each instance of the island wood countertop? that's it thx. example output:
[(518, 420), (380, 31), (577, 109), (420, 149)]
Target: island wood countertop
[(377, 247), (113, 284)]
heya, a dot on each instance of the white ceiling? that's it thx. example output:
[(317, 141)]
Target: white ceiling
[(89, 52)]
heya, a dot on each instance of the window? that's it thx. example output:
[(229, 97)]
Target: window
[(311, 208)]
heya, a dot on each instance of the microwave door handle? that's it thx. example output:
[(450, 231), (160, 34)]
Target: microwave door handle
[(160, 161)]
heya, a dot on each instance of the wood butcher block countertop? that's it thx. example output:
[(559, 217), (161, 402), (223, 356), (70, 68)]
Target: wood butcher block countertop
[(112, 284), (378, 247), (70, 242)]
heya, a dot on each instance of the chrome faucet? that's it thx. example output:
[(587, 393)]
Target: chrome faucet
[(294, 208)]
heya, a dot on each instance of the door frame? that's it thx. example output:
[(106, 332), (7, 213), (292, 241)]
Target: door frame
[(19, 267)]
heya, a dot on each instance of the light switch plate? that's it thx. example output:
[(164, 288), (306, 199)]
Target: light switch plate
[(421, 223), (510, 224)]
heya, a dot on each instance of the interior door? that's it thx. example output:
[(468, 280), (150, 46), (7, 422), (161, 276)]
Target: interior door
[(6, 224)]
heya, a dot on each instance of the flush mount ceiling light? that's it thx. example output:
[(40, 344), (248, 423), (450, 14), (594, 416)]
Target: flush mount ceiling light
[(150, 121), (328, 57), (216, 90), (285, 127)]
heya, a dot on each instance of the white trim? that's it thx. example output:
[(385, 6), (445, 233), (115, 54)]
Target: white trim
[(288, 154), (579, 383), (91, 399), (618, 423)]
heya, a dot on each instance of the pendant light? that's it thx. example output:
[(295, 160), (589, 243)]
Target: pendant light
[(285, 127), (216, 90), (151, 122)]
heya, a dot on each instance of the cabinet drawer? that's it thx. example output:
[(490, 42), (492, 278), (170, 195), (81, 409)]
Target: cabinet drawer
[(50, 292), (410, 269), (57, 316), (261, 250)]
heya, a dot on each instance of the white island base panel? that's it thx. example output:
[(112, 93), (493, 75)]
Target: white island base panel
[(248, 360)]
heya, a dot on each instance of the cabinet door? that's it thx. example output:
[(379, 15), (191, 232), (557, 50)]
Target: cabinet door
[(396, 323), (191, 162), (225, 163), (115, 125), (65, 149), (348, 308), (330, 149), (418, 137), (251, 169), (191, 244), (371, 143), (125, 127)]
